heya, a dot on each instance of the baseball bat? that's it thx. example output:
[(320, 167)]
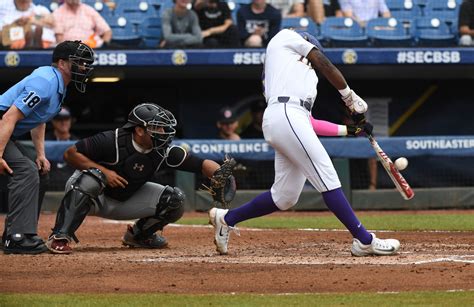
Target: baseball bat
[(400, 183)]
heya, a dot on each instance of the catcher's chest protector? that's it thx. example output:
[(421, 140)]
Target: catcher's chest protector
[(137, 168)]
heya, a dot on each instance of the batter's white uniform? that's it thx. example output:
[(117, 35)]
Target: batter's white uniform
[(290, 85)]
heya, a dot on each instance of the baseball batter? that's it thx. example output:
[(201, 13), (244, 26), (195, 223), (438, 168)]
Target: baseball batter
[(290, 86)]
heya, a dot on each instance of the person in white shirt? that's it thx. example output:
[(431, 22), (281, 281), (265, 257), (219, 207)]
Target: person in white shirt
[(23, 13), (290, 87)]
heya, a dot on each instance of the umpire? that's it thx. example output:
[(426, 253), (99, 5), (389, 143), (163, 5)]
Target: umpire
[(114, 169), (26, 107)]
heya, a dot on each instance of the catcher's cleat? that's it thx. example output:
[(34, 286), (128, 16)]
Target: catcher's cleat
[(59, 245), (221, 230), (154, 241), (377, 247)]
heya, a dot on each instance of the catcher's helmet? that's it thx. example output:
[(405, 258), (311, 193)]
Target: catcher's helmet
[(81, 56), (152, 117)]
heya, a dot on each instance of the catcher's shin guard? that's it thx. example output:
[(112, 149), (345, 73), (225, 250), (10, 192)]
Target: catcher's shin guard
[(77, 202), (168, 210)]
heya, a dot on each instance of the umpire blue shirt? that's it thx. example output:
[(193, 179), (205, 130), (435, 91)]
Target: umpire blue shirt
[(38, 96)]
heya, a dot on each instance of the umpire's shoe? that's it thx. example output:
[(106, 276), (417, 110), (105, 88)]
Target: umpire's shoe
[(130, 239), (24, 244), (378, 247)]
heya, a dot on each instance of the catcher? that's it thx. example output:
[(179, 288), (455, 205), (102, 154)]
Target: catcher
[(112, 180)]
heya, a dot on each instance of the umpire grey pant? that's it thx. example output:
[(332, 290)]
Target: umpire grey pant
[(141, 204), (23, 191)]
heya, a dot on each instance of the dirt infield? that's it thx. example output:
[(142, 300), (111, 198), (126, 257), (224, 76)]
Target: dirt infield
[(259, 261)]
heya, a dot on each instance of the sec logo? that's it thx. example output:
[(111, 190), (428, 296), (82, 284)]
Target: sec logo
[(12, 59), (349, 56), (179, 57)]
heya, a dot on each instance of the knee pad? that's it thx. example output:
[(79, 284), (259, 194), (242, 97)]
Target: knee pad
[(171, 204), (91, 182)]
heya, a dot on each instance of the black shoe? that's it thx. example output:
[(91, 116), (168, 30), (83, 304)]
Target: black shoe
[(35, 238), (153, 241), (23, 244)]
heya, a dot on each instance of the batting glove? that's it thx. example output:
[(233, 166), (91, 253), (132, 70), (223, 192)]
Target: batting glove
[(355, 103), (363, 129)]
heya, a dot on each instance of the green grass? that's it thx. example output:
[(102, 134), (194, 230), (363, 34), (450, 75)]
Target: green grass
[(396, 222), (353, 299)]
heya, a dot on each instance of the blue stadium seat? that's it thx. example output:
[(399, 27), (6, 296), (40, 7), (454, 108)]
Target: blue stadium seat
[(448, 8), (160, 5), (343, 32), (45, 3), (135, 10), (241, 1), (125, 35), (433, 32), (150, 31), (300, 23), (405, 11), (388, 32), (233, 7), (446, 11)]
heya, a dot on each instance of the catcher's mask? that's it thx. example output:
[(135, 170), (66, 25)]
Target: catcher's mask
[(81, 57), (152, 117)]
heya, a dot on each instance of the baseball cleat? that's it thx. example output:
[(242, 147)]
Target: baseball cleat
[(221, 230), (59, 245), (379, 247), (153, 241)]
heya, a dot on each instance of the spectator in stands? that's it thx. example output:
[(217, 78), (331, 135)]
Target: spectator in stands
[(60, 171), (61, 123), (79, 21), (228, 124), (180, 27), (258, 22), (363, 11), (33, 22), (289, 8), (318, 10), (216, 24), (254, 130), (466, 23)]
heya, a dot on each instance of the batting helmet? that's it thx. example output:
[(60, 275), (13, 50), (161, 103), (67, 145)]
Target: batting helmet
[(152, 117), (81, 57), (310, 38)]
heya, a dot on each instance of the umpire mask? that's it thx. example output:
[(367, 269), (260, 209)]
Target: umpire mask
[(81, 57), (81, 66), (159, 123)]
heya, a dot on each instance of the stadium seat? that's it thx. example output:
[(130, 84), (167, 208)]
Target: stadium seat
[(150, 31), (125, 35), (233, 7), (242, 1), (388, 32), (447, 8), (300, 23), (135, 10), (343, 32), (433, 32), (446, 11), (404, 11)]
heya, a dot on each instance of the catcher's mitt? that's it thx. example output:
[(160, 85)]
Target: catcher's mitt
[(222, 186)]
